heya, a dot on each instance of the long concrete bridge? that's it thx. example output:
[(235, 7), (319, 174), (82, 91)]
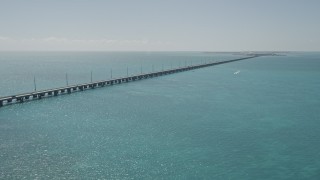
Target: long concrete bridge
[(19, 98)]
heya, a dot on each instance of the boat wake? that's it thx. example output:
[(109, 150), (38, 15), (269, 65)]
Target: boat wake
[(237, 72)]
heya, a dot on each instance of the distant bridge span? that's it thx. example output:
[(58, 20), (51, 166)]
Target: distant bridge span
[(36, 95)]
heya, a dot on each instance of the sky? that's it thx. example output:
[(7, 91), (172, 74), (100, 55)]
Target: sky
[(159, 25)]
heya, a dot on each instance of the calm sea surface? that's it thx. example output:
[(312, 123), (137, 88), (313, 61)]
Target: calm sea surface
[(252, 119)]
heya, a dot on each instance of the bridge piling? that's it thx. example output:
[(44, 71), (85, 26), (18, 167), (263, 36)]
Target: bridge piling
[(81, 87)]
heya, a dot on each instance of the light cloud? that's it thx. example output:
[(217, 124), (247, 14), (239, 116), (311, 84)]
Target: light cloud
[(66, 40), (3, 38), (54, 39), (61, 43)]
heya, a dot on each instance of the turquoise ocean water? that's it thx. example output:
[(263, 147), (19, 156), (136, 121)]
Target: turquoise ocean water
[(252, 119)]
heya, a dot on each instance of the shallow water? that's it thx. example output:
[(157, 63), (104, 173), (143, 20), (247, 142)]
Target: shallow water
[(211, 123)]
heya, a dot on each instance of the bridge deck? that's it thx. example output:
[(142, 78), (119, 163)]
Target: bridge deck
[(80, 87)]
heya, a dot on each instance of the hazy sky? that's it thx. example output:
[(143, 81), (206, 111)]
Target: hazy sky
[(160, 25)]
